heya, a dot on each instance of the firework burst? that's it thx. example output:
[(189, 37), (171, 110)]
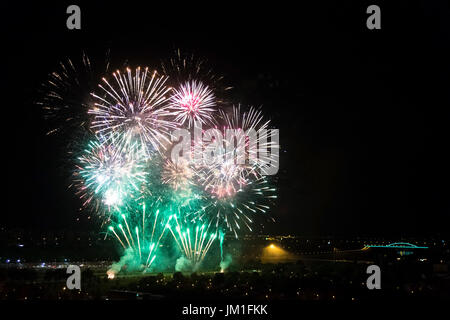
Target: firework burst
[(184, 68), (193, 102), (107, 176), (238, 209), (254, 138), (65, 96), (242, 155), (134, 106), (236, 190), (223, 180), (178, 175)]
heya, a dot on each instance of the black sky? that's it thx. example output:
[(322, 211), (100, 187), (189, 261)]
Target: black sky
[(363, 115)]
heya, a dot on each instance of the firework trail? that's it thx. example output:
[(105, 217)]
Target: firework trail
[(194, 241), (221, 238), (134, 105), (140, 233)]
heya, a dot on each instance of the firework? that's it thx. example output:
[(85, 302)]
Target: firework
[(133, 105), (188, 70), (140, 234), (194, 241), (193, 102), (125, 170), (236, 192), (241, 156), (65, 96), (183, 67), (238, 210), (253, 139), (106, 175), (178, 175), (224, 179)]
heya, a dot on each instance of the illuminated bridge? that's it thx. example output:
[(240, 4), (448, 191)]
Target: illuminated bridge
[(396, 245)]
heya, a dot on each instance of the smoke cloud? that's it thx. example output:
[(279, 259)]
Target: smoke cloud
[(225, 263)]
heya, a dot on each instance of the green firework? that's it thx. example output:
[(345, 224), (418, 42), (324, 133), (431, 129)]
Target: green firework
[(140, 232), (193, 239)]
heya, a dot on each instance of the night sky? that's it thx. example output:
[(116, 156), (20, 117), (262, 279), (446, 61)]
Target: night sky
[(363, 115)]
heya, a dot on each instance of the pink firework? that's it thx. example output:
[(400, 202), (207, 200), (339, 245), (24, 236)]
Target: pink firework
[(193, 102)]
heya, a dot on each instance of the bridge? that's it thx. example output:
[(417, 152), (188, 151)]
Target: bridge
[(396, 245)]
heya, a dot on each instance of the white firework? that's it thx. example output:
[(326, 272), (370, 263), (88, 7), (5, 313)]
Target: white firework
[(133, 106), (178, 175), (254, 138)]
